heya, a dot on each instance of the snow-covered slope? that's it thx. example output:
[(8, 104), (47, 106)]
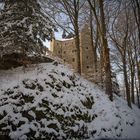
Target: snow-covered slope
[(50, 101)]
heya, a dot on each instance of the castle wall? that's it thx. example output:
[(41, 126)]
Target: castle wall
[(86, 50), (56, 47), (69, 52), (66, 50)]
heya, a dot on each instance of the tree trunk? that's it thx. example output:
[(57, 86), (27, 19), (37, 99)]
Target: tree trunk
[(136, 9), (137, 91), (138, 71), (132, 74), (127, 88), (77, 42), (107, 67), (76, 29), (138, 75), (108, 81), (132, 86), (92, 43)]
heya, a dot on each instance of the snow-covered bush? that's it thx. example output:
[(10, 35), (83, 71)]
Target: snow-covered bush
[(51, 102)]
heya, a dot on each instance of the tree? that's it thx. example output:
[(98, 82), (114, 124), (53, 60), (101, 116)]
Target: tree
[(23, 27), (94, 45), (70, 12), (122, 35), (105, 49), (136, 9), (72, 8)]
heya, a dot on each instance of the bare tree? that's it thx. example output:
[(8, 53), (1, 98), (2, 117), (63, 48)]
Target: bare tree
[(104, 42), (123, 29), (70, 11)]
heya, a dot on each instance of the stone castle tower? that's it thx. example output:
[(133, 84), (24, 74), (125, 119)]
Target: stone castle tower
[(66, 49)]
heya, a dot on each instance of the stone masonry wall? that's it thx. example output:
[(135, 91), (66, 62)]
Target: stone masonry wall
[(86, 50), (66, 50)]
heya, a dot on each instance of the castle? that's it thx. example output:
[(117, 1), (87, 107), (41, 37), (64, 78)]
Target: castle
[(66, 49)]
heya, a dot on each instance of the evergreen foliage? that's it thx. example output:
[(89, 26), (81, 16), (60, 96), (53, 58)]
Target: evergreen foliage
[(23, 26)]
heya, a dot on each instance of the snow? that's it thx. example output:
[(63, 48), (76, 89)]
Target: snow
[(66, 39), (51, 99), (30, 32), (46, 43), (1, 6)]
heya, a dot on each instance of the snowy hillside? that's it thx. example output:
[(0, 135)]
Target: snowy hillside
[(50, 101)]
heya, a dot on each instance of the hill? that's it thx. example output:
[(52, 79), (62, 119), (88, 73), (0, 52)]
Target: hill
[(49, 101)]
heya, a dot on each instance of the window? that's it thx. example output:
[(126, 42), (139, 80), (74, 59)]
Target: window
[(87, 67), (87, 48), (73, 51), (64, 52), (59, 52), (73, 59), (87, 57)]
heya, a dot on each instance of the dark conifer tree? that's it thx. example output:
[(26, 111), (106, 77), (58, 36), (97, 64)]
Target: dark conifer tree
[(23, 26)]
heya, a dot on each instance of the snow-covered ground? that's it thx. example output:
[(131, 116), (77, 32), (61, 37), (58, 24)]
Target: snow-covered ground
[(50, 101)]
